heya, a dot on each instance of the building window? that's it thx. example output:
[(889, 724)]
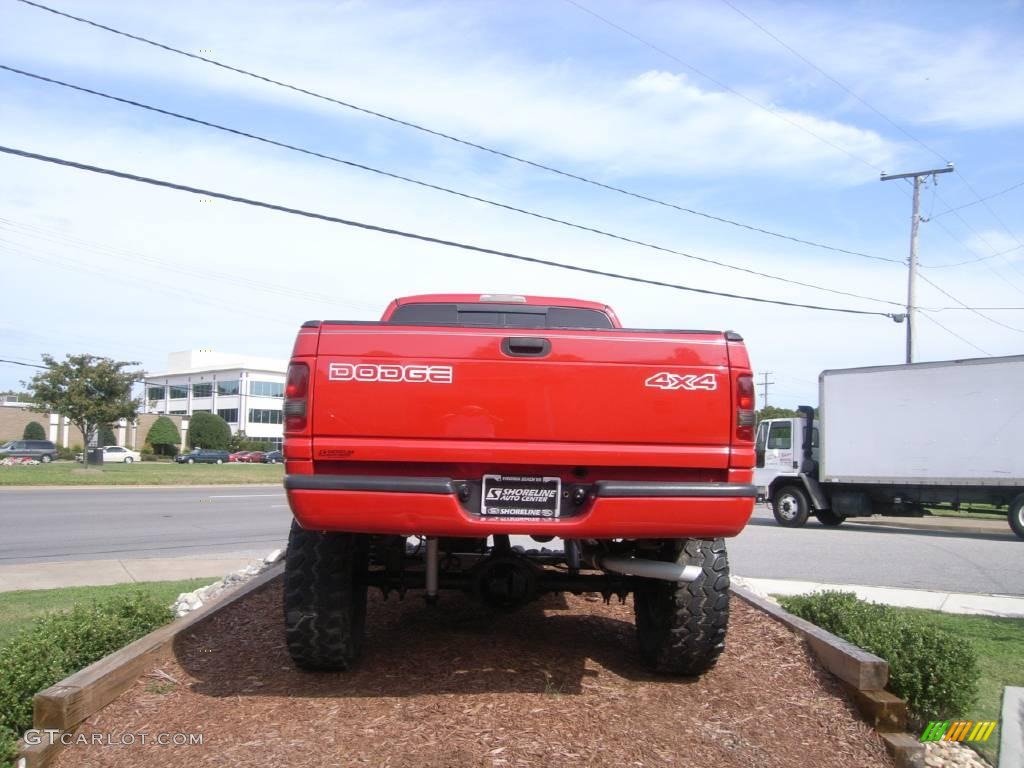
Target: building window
[(266, 389), (155, 393), (265, 416), (230, 415), (202, 390), (227, 387), (178, 393), (200, 410), (176, 413)]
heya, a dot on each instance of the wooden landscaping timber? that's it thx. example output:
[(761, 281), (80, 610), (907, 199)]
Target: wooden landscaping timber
[(37, 755), (907, 752), (862, 670), (72, 700), (885, 711)]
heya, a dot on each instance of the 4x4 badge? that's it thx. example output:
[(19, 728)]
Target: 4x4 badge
[(689, 381)]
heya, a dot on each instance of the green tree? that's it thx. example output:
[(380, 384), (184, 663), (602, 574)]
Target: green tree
[(33, 431), (105, 435), (208, 430), (774, 412), (239, 442), (86, 389), (164, 437)]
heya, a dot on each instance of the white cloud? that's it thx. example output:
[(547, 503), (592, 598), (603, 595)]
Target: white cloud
[(435, 65)]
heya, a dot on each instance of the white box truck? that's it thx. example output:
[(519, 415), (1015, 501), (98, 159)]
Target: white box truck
[(895, 439)]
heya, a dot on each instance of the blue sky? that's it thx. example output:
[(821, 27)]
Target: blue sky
[(132, 272)]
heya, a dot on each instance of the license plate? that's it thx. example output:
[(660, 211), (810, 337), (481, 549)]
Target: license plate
[(518, 496)]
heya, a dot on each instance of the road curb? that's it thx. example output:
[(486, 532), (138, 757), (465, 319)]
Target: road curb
[(861, 674), (66, 704), (896, 522)]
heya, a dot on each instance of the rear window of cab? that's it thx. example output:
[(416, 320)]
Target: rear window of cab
[(500, 316)]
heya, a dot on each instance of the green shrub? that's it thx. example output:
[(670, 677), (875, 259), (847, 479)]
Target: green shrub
[(58, 644), (68, 454), (33, 431), (164, 437), (8, 746), (208, 430), (933, 669)]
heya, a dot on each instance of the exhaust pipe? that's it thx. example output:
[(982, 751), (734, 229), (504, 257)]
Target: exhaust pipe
[(649, 569), (432, 569)]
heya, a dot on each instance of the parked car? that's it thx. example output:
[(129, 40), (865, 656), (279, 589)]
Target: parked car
[(273, 457), (203, 456), (238, 455), (41, 450), (116, 454), (254, 457)]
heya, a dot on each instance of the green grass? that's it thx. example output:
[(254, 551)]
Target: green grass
[(155, 473), (18, 609), (1000, 646)]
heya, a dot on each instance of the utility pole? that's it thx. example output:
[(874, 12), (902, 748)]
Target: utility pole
[(764, 384), (915, 221)]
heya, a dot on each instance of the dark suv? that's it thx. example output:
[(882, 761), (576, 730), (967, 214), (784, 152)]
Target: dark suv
[(42, 450), (203, 456)]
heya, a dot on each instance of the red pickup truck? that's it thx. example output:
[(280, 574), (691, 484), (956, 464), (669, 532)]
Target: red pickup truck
[(418, 446)]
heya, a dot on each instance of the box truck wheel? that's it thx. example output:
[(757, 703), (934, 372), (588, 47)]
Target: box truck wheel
[(325, 598), (1017, 515), (680, 626), (790, 506), (829, 518)]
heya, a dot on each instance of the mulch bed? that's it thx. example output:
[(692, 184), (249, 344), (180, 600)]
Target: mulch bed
[(556, 684)]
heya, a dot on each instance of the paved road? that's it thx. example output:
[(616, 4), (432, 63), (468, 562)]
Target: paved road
[(875, 555), (51, 524), (41, 525)]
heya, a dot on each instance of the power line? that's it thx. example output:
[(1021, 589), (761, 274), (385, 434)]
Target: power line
[(717, 82), (47, 368), (980, 200), (988, 208), (439, 188), (982, 238), (423, 238), (233, 279), (891, 122), (465, 142), (61, 239), (969, 343), (825, 74), (968, 261), (972, 309)]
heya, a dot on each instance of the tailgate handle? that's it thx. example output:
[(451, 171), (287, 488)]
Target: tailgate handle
[(525, 346)]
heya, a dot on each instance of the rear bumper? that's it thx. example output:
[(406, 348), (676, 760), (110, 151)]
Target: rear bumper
[(430, 506)]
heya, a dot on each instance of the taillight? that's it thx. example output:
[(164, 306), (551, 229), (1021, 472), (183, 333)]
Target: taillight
[(745, 407), (296, 391)]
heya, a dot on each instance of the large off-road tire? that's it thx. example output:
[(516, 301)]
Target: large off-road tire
[(681, 626), (325, 598), (790, 506), (828, 518), (1016, 515)]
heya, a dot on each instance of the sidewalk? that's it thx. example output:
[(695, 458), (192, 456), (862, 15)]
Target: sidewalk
[(946, 602), (90, 573), (937, 523)]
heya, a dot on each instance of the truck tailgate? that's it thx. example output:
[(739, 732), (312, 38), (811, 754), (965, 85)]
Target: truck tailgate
[(621, 388)]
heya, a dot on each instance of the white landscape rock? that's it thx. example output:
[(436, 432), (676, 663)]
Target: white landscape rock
[(191, 601)]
